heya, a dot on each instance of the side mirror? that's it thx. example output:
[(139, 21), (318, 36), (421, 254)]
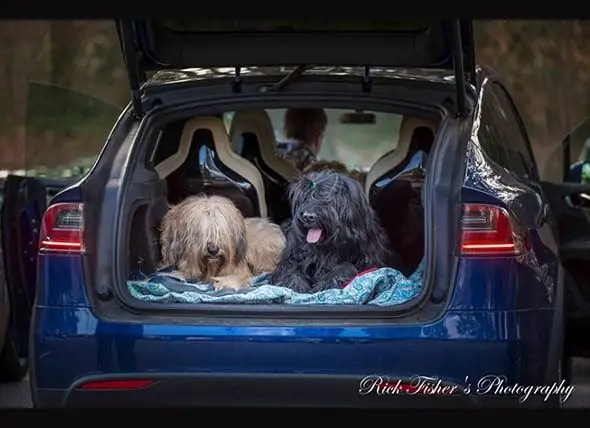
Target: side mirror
[(576, 153), (580, 173)]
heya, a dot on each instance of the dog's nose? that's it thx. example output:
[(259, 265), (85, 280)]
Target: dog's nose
[(309, 217), (212, 249)]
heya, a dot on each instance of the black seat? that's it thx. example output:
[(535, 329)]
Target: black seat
[(400, 212), (203, 173), (144, 245), (274, 184), (396, 198), (413, 166), (258, 122)]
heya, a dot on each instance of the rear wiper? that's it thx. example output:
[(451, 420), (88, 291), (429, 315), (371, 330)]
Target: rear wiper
[(288, 78)]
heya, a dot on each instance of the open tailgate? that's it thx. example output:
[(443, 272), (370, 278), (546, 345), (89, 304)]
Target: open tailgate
[(150, 45)]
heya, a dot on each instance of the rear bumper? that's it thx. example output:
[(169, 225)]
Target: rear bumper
[(282, 365), (266, 390)]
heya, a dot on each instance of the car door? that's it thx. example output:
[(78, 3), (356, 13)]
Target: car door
[(572, 197), (58, 120), (570, 225), (575, 153)]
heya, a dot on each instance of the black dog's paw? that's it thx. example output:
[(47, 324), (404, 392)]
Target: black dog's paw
[(293, 282), (344, 272), (336, 278), (300, 287)]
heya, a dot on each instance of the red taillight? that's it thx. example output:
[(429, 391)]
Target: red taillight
[(489, 230), (122, 384), (62, 229)]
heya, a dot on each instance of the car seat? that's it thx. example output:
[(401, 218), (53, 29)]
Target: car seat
[(402, 153), (205, 163), (258, 122), (395, 192)]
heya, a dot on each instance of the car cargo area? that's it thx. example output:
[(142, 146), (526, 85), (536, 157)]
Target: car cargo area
[(234, 155)]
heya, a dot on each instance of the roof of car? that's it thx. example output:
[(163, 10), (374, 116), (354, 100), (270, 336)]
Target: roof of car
[(196, 74)]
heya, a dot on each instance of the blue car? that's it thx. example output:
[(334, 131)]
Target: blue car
[(500, 256)]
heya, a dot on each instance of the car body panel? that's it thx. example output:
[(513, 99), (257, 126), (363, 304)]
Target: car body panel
[(103, 347), (490, 325), (66, 323)]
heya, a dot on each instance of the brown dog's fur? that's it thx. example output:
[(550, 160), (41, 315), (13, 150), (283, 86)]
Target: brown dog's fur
[(265, 243), (247, 247)]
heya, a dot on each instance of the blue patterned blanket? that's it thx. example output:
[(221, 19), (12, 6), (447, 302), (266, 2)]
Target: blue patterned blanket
[(380, 287)]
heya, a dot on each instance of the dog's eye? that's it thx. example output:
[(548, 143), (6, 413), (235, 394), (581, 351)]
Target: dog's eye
[(312, 185)]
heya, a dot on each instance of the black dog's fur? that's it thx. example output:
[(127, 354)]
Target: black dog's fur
[(353, 239)]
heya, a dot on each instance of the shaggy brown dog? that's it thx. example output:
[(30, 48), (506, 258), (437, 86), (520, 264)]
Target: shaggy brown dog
[(206, 238)]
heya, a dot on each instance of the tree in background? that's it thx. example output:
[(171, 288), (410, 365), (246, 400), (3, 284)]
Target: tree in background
[(80, 55), (546, 64)]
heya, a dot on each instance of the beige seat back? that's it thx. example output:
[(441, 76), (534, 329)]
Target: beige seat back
[(223, 150), (258, 123), (395, 157)]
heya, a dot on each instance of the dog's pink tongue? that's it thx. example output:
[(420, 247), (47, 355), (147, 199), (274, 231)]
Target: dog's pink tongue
[(314, 235)]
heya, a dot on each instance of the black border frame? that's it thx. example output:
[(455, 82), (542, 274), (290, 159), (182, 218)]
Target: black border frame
[(55, 10)]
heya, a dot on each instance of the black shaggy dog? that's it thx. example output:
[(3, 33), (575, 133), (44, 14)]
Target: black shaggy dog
[(332, 236)]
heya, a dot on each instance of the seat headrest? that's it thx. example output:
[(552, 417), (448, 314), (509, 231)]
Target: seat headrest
[(213, 124), (393, 158), (250, 120), (223, 149), (408, 125), (258, 122)]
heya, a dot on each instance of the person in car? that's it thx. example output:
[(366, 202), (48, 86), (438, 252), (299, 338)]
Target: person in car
[(304, 129)]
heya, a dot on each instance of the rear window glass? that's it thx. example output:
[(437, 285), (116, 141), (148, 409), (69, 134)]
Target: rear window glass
[(325, 26), (358, 146)]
